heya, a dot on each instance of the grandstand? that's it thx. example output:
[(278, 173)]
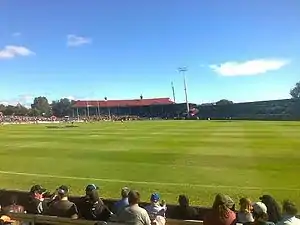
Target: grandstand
[(153, 107)]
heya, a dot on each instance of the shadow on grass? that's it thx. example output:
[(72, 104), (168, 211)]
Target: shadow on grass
[(61, 127)]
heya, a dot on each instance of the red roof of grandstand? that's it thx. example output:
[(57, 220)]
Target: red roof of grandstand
[(123, 103)]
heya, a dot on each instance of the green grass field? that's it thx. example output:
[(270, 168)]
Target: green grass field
[(199, 158)]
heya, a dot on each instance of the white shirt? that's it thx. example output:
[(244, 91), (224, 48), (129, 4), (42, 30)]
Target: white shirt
[(155, 210), (289, 220)]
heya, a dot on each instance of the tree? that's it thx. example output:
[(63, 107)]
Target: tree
[(33, 112), (41, 106), (224, 102), (295, 92), (62, 108), (20, 110), (2, 108), (9, 110)]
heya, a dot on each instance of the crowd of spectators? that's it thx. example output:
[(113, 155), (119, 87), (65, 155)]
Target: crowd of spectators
[(30, 119), (27, 119), (127, 210)]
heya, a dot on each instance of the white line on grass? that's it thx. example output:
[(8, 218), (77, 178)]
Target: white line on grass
[(147, 182)]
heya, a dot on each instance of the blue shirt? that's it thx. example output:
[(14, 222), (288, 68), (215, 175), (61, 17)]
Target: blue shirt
[(121, 204)]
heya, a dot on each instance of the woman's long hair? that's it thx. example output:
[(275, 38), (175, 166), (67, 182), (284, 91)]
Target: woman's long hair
[(220, 208), (274, 212), (245, 205)]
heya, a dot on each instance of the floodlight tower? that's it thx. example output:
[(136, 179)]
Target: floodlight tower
[(182, 71)]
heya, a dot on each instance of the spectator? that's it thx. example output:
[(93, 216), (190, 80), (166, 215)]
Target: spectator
[(220, 214), (245, 213), (121, 204), (36, 205), (274, 212), (289, 214), (155, 208), (133, 214), (63, 207), (260, 214), (93, 207), (13, 207), (184, 211)]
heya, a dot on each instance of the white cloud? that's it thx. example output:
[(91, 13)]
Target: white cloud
[(247, 68), (16, 34), (25, 100), (12, 51), (74, 40)]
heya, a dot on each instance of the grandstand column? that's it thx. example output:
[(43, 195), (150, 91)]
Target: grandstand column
[(98, 104), (108, 108), (88, 109)]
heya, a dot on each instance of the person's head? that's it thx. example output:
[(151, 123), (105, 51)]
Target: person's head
[(220, 206), (93, 196), (124, 192), (289, 208), (13, 200), (183, 201), (260, 211), (274, 211), (133, 197), (91, 188), (155, 198), (37, 191), (62, 192), (245, 205)]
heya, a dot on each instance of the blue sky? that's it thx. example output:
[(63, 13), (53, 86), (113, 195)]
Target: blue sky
[(238, 50)]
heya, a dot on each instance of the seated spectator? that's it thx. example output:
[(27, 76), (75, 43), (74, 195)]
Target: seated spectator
[(244, 215), (93, 207), (13, 207), (221, 214), (260, 214), (62, 207), (155, 208), (274, 212), (121, 204), (184, 211), (37, 203), (289, 211), (134, 214)]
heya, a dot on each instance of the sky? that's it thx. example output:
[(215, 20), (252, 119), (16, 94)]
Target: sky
[(236, 49)]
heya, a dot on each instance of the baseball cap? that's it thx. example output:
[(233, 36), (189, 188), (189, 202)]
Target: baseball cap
[(259, 207), (91, 187), (63, 189), (37, 188), (154, 197)]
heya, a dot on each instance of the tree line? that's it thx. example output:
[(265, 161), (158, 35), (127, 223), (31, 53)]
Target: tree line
[(63, 107), (40, 107)]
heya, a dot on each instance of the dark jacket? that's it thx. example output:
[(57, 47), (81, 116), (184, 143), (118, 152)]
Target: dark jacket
[(95, 210)]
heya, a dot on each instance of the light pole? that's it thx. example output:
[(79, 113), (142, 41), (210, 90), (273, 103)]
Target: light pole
[(182, 70), (173, 91)]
